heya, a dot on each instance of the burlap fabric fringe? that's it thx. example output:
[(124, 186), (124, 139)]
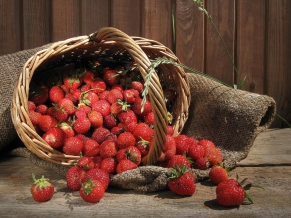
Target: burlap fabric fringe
[(231, 118)]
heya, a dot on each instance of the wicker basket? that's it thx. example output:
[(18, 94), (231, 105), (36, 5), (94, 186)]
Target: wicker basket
[(113, 42)]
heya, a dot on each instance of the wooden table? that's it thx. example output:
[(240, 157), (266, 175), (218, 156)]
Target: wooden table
[(268, 164)]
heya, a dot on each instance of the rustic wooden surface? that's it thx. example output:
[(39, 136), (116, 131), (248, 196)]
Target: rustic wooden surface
[(275, 201), (256, 33)]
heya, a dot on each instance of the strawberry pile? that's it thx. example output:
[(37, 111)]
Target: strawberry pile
[(97, 111)]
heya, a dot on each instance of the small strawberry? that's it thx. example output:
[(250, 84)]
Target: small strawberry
[(125, 139), (67, 105), (127, 117), (232, 193), (97, 161), (55, 137), (100, 134), (114, 95), (218, 174), (169, 149), (177, 160), (74, 178), (42, 109), (92, 191), (82, 125), (73, 146), (96, 118), (201, 164), (103, 95), (109, 121), (130, 95), (42, 189), (108, 148), (47, 122), (129, 127), (149, 118), (143, 131), (56, 93), (38, 94), (195, 151), (90, 148), (109, 165), (98, 86), (137, 86), (88, 77), (85, 163), (67, 129), (34, 117), (141, 109), (111, 77), (58, 113), (207, 144), (101, 106), (182, 181), (170, 96), (143, 146), (90, 97), (100, 175), (31, 106), (125, 165), (214, 156), (118, 107), (182, 144), (73, 79)]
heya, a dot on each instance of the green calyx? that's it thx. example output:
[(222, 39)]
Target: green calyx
[(178, 171), (41, 183), (124, 105), (88, 186)]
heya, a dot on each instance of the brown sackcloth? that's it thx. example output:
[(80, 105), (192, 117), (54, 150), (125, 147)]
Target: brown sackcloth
[(231, 118)]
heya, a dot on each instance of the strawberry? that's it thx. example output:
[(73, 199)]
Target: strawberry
[(195, 151), (31, 106), (114, 95), (42, 109), (129, 127), (137, 86), (47, 122), (90, 148), (132, 153), (97, 161), (143, 146), (182, 144), (143, 131), (218, 174), (177, 160), (182, 181), (102, 106), (42, 189), (170, 130), (100, 175), (207, 144), (67, 105), (149, 118), (232, 193), (100, 134), (117, 130), (98, 86), (140, 109), (111, 77), (125, 139), (118, 87), (103, 95), (74, 178), (109, 165), (127, 117), (58, 113), (169, 149), (73, 146), (108, 148), (56, 93), (85, 163), (38, 94), (201, 163), (130, 95), (72, 80), (214, 156), (92, 191), (55, 137), (96, 118), (109, 121), (125, 165), (34, 117), (68, 130), (88, 77), (82, 125)]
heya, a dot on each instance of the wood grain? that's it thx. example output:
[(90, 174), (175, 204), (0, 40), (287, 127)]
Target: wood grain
[(189, 34), (251, 43), (95, 15), (217, 61), (10, 23), (36, 23)]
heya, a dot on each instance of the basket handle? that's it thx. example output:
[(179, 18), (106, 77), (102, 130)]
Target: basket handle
[(155, 89)]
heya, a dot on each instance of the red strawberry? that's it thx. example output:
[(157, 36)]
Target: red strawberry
[(119, 87), (101, 106), (72, 80), (143, 131), (170, 130), (232, 192), (55, 137), (201, 163), (100, 134), (195, 151), (67, 129), (111, 77), (169, 149), (47, 122), (97, 161), (177, 160), (85, 163), (137, 86), (109, 165), (125, 139), (31, 106), (38, 94), (90, 148), (127, 117), (207, 144), (125, 165), (96, 118), (103, 95), (42, 109), (130, 95), (58, 113), (132, 153), (108, 149), (218, 174), (98, 86), (116, 130), (92, 191), (34, 117), (89, 97), (214, 156), (88, 77), (182, 181), (74, 177), (100, 175), (143, 146), (67, 105), (109, 121), (182, 144), (82, 125), (56, 93), (73, 146), (140, 109), (114, 95), (129, 127), (149, 118), (42, 189)]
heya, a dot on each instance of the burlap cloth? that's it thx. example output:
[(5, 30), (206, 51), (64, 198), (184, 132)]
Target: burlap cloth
[(231, 118)]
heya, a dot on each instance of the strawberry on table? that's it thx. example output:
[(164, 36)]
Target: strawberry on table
[(74, 178), (42, 189), (100, 175), (218, 174), (92, 191)]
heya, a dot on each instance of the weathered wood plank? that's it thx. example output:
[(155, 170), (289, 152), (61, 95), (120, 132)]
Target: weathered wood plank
[(95, 14), (126, 16), (10, 17), (251, 44), (65, 19), (217, 61), (189, 34), (36, 23)]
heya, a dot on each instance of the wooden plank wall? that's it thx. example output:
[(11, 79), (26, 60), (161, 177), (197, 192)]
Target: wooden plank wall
[(256, 32)]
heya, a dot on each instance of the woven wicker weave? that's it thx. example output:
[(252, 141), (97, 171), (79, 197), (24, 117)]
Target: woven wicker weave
[(105, 42)]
